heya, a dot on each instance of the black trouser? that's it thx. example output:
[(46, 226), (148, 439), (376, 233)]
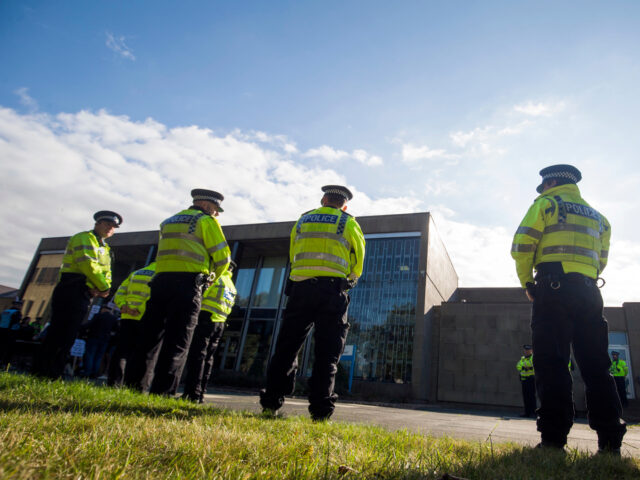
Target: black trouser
[(7, 339), (568, 310), (128, 339), (621, 386), (167, 325), (69, 305), (204, 344), (319, 302), (529, 394)]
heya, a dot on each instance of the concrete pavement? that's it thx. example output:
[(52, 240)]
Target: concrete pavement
[(435, 421)]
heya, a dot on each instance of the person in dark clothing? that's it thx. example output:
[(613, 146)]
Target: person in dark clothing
[(9, 322), (98, 331)]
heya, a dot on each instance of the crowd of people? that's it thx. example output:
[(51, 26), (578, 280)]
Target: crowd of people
[(173, 310)]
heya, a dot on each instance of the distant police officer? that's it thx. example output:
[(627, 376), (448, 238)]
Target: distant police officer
[(131, 298), (85, 273), (619, 370), (327, 254), (191, 247), (527, 380), (566, 241), (217, 302)]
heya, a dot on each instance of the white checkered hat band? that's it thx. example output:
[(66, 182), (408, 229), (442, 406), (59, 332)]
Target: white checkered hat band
[(111, 218), (567, 175), (207, 198), (336, 191)]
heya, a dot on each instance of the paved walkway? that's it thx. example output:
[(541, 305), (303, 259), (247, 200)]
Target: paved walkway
[(466, 424)]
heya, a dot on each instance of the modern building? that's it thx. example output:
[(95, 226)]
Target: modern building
[(407, 272)]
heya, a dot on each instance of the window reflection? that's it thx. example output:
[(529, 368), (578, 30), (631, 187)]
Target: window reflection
[(382, 310), (255, 354), (244, 280), (270, 282)]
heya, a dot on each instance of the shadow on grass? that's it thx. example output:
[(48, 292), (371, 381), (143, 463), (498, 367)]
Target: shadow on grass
[(531, 463)]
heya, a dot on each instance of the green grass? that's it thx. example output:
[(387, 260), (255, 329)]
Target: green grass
[(77, 430)]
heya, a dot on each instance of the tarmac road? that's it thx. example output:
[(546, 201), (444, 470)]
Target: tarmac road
[(435, 421)]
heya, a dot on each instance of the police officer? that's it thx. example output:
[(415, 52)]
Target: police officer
[(327, 255), (191, 247), (217, 302), (566, 242), (619, 370), (131, 298), (527, 380), (85, 273)]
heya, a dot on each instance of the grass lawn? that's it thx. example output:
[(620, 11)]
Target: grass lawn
[(77, 430)]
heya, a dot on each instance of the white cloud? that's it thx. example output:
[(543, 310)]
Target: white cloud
[(58, 170), (331, 155), (540, 109), (412, 154), (326, 153), (118, 45), (366, 159), (25, 99)]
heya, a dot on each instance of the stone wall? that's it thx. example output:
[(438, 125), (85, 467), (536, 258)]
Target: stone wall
[(481, 333)]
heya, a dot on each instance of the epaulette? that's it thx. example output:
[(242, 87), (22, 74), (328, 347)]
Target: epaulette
[(551, 210)]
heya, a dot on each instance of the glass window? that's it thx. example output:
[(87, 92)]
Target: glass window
[(617, 338), (244, 281), (382, 310), (255, 352), (270, 282)]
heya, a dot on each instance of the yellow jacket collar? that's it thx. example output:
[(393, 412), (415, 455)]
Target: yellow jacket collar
[(570, 188)]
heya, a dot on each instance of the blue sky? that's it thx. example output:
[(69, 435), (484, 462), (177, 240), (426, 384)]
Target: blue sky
[(450, 107)]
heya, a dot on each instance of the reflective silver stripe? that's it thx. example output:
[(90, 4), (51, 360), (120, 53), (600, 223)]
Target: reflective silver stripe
[(604, 254), (324, 236), (321, 256), (66, 265), (144, 282), (86, 258), (181, 253), (532, 232), (571, 250), (215, 310), (217, 247), (523, 247), (135, 303), (339, 273), (222, 262), (182, 236), (563, 227), (140, 294), (83, 247)]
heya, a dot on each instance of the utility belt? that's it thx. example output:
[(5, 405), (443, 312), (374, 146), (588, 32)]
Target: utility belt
[(552, 274), (341, 284), (72, 278)]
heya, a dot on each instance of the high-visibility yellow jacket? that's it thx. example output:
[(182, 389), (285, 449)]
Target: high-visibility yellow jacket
[(619, 368), (561, 227), (219, 298), (326, 242), (192, 241), (90, 256), (525, 367), (135, 291)]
